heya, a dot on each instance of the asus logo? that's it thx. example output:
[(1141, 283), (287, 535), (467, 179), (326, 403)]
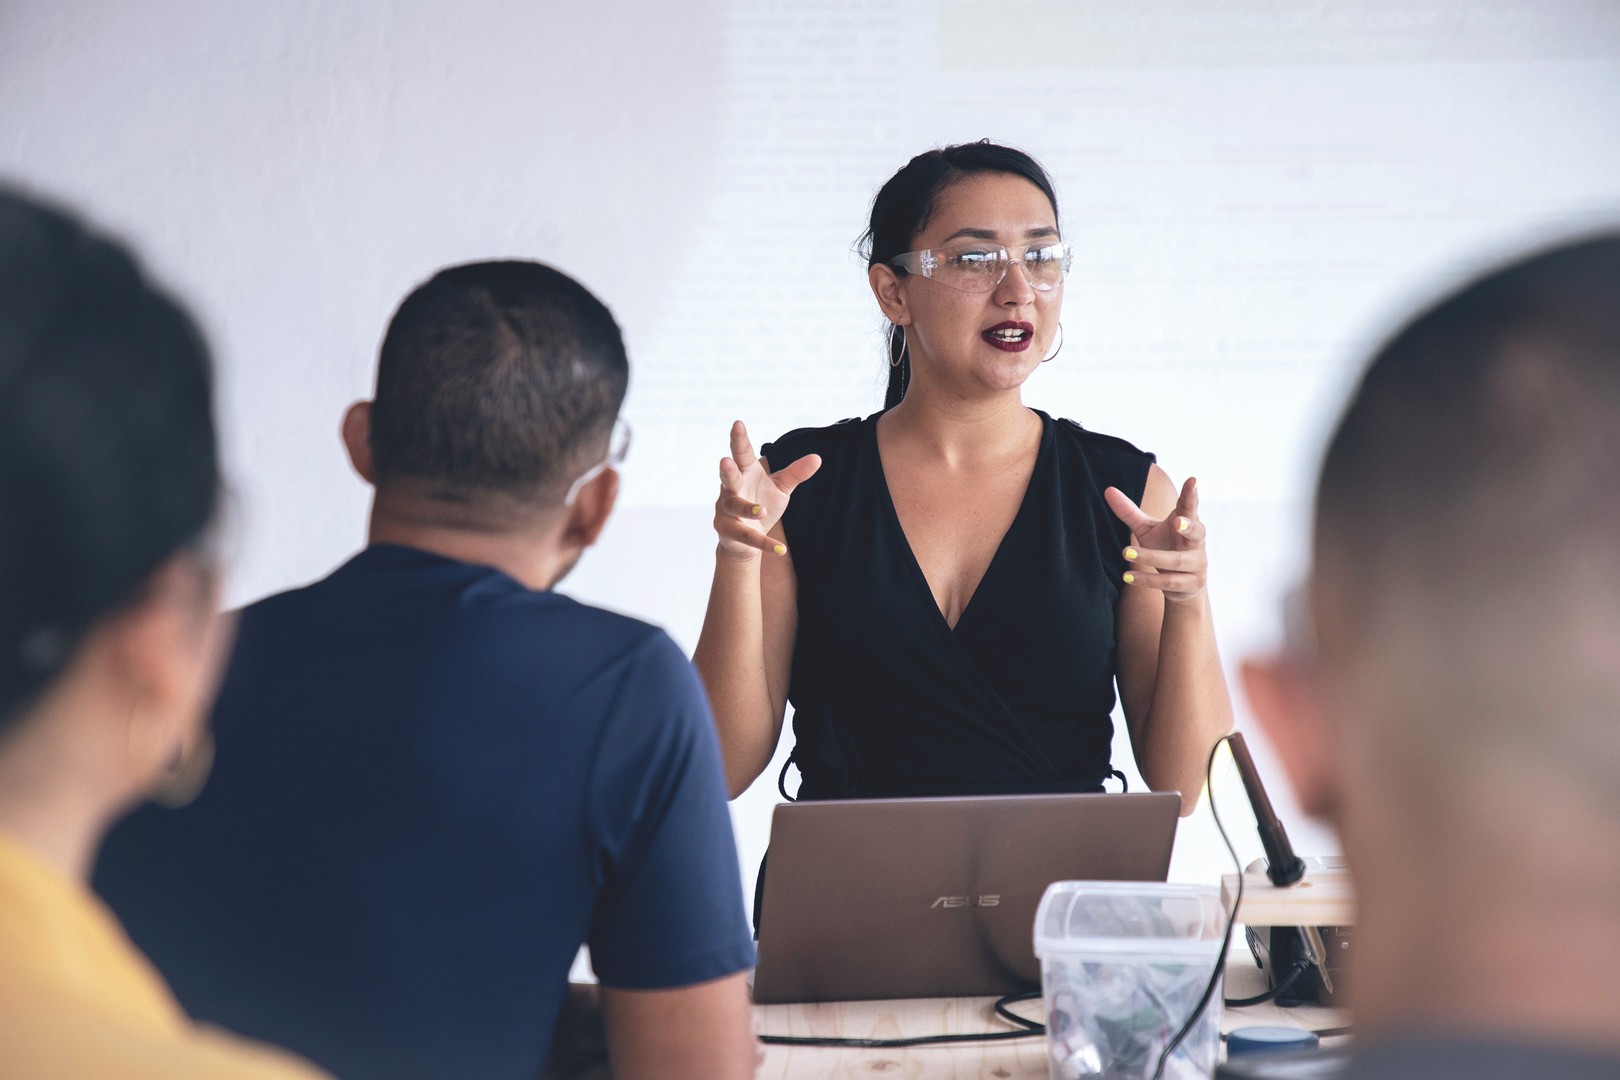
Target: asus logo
[(967, 901)]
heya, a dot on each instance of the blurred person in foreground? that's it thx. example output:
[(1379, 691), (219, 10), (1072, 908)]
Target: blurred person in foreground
[(435, 776), (110, 641), (1450, 697)]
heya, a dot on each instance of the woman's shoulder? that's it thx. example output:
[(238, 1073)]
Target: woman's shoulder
[(1106, 460), (825, 441), (1097, 444), (806, 519)]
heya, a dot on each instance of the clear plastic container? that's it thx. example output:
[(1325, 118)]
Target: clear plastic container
[(1123, 965)]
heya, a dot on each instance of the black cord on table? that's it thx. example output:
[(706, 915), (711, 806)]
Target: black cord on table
[(1027, 1028), (1300, 968), (1035, 1027), (1231, 921), (1320, 1033)]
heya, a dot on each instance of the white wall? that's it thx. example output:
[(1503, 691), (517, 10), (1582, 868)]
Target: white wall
[(1256, 189)]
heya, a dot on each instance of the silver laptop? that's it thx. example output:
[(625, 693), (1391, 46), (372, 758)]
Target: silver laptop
[(901, 898)]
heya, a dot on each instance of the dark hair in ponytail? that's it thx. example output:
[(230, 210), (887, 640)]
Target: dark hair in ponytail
[(903, 206), (108, 463)]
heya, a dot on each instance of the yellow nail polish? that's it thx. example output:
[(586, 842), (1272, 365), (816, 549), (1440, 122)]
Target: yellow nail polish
[(1130, 553), (1129, 578), (779, 549), (1182, 524), (757, 510)]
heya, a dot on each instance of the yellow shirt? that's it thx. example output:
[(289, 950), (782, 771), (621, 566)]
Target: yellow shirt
[(79, 1001)]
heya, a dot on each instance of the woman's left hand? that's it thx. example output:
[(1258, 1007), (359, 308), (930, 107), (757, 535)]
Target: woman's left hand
[(1168, 554)]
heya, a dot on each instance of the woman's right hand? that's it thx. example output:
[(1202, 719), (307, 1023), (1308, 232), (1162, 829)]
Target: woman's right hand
[(752, 498)]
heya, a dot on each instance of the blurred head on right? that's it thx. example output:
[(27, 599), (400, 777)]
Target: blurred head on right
[(1451, 694)]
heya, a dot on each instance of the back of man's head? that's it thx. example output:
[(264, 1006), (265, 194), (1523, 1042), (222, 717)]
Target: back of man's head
[(497, 381), (1467, 560)]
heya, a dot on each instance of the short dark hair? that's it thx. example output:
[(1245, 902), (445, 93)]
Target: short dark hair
[(1497, 405), (904, 204), (493, 379), (1465, 518), (108, 459)]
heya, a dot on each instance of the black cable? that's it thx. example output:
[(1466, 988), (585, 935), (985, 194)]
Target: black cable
[(1320, 1033), (1301, 966), (781, 778), (1035, 1026), (1231, 921), (1027, 1029)]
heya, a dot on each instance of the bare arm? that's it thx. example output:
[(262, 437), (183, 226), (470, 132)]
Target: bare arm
[(701, 1032), (743, 656), (745, 650), (1170, 679)]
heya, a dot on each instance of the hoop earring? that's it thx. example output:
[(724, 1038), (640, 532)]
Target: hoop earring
[(896, 358), (1059, 349), (186, 770), (184, 780)]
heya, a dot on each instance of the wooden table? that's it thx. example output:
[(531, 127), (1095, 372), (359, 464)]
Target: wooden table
[(1017, 1059)]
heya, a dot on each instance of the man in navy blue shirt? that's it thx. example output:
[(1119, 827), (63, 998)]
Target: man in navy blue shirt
[(435, 778)]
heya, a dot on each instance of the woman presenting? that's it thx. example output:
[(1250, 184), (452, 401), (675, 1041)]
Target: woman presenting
[(950, 599)]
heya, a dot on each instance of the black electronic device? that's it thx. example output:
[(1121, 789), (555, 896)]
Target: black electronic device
[(1308, 962)]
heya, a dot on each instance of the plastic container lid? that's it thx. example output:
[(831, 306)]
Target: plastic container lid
[(1269, 1040), (1147, 919)]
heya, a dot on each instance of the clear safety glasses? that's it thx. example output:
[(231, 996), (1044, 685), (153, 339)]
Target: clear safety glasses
[(978, 267), (618, 449)]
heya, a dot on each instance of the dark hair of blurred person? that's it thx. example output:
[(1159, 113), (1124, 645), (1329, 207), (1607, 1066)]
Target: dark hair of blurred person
[(1451, 703), (109, 639)]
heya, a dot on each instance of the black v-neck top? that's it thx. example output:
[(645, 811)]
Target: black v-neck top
[(888, 699)]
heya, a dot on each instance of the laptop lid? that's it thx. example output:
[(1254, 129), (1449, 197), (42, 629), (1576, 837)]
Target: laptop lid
[(936, 897)]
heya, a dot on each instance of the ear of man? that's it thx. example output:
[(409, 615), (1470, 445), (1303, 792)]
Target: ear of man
[(592, 507), (1284, 699), (356, 432)]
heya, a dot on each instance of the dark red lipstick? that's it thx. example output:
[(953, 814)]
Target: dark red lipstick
[(1010, 336)]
